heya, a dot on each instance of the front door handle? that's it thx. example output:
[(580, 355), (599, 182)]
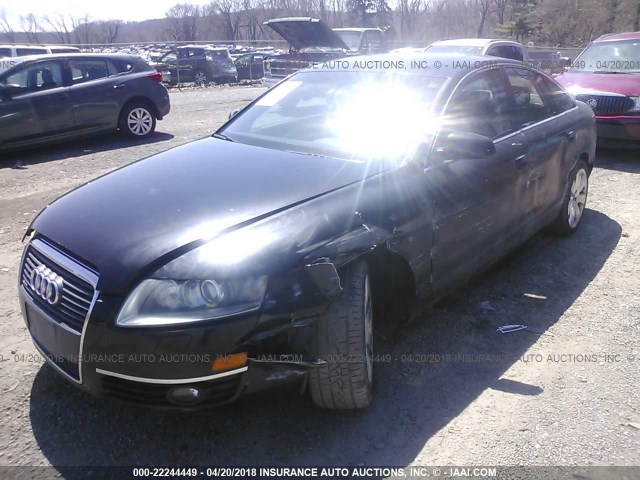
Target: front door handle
[(571, 135), (521, 161), (119, 85)]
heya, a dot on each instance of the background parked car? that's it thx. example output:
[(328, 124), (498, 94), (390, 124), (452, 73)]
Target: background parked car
[(198, 64), (481, 46), (55, 97), (11, 55), (250, 66), (606, 76)]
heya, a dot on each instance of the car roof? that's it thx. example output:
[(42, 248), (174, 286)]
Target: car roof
[(76, 56), (355, 29), (452, 65), (205, 47), (14, 45), (473, 42), (618, 36)]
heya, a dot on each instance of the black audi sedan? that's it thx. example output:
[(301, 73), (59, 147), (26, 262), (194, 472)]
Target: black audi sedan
[(54, 98), (260, 256)]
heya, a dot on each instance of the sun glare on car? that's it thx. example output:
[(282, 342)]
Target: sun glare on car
[(381, 120)]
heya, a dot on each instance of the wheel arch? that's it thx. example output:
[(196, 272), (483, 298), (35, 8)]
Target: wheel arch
[(144, 100)]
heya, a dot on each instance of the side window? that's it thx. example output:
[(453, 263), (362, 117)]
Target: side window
[(481, 105), (21, 52), (559, 99), (258, 58), (506, 51), (528, 90), (87, 70), (183, 53), (196, 52), (243, 61), (35, 77), (169, 58), (5, 52), (374, 40), (116, 67)]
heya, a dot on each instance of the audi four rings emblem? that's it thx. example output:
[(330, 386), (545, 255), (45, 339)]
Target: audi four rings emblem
[(592, 102), (46, 284)]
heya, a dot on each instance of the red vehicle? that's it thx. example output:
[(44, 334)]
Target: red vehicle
[(606, 76)]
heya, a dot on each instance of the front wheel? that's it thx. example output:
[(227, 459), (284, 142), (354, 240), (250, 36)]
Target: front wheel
[(137, 120), (575, 201), (344, 340)]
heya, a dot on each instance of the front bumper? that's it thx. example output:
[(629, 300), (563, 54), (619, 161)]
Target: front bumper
[(623, 128), (172, 367)]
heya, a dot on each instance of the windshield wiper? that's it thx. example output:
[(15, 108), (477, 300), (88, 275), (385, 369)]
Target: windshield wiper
[(222, 137)]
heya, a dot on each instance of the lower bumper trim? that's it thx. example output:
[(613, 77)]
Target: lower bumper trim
[(174, 381)]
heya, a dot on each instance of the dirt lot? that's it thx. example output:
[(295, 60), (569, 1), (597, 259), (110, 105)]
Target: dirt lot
[(455, 391)]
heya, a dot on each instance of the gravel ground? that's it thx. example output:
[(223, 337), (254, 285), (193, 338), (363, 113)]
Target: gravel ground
[(455, 391)]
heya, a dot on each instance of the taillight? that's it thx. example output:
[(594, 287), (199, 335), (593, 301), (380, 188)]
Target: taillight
[(156, 77)]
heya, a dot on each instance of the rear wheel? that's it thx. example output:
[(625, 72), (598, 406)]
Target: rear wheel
[(575, 201), (344, 340), (137, 120), (200, 77)]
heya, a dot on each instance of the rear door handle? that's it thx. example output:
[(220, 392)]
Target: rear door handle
[(521, 161), (119, 85), (571, 135)]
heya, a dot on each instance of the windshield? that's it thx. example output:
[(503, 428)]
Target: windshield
[(468, 49), (348, 115), (351, 39), (613, 56)]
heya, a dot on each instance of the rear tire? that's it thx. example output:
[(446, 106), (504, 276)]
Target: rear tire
[(200, 77), (575, 201), (344, 340), (137, 120)]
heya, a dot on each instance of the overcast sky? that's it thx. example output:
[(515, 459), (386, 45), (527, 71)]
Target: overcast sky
[(97, 10)]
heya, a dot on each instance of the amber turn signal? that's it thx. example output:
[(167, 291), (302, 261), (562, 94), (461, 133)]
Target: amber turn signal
[(229, 362)]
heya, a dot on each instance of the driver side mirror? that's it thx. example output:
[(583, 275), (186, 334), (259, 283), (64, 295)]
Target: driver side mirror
[(466, 145), (9, 90)]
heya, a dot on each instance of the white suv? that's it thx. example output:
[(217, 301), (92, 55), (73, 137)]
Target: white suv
[(10, 54)]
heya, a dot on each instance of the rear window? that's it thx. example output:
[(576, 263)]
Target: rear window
[(30, 51)]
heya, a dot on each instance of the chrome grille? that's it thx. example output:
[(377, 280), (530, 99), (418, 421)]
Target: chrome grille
[(77, 292), (283, 68), (607, 104)]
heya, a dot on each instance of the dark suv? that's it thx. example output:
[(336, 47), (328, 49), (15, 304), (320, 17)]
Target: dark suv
[(198, 64), (55, 97)]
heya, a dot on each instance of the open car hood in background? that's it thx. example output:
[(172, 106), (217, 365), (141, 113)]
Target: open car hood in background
[(305, 32)]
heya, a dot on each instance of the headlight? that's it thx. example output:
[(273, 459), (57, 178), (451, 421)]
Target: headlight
[(158, 302), (636, 107)]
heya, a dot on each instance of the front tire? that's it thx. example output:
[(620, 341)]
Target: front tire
[(575, 201), (344, 340), (137, 120)]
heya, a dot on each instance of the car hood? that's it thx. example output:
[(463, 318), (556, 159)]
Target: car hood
[(306, 32), (588, 82), (139, 217)]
